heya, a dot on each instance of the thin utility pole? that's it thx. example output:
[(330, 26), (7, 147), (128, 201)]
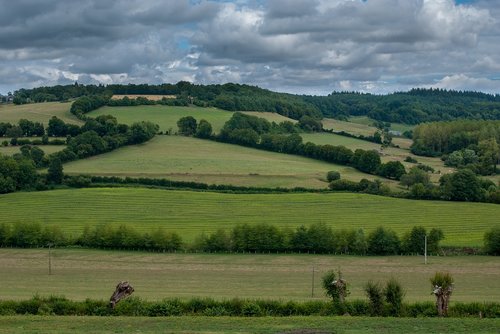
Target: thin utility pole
[(50, 263), (312, 283), (425, 250)]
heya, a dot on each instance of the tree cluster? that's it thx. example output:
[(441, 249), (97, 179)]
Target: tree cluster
[(24, 128), (413, 107), (317, 238), (462, 144)]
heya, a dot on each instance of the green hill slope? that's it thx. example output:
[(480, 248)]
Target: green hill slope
[(191, 213), (191, 159)]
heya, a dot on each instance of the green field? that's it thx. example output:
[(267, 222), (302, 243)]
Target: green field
[(231, 325), (48, 149), (364, 120), (79, 274), (387, 153), (166, 116), (191, 159), (190, 213), (37, 112), (350, 127)]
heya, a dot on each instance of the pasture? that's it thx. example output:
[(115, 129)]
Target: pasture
[(387, 154), (190, 213), (230, 325), (190, 159), (48, 149), (37, 112), (167, 116), (79, 274)]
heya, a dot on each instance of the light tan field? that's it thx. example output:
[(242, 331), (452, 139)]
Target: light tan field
[(149, 97)]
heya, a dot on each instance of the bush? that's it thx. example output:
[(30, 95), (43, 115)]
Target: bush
[(336, 287), (251, 309), (375, 296), (492, 241), (332, 176), (394, 294)]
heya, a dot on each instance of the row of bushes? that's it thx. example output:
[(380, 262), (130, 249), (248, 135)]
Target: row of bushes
[(134, 306), (262, 238)]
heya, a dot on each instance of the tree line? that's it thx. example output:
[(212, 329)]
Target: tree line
[(317, 238), (461, 144), (413, 107), (261, 238), (96, 136)]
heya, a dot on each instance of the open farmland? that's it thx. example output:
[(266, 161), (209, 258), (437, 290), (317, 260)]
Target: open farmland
[(48, 149), (167, 116), (190, 213), (37, 112), (80, 274), (387, 154), (191, 159), (230, 325)]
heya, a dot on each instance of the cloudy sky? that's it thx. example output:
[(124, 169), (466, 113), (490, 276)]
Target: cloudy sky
[(298, 46)]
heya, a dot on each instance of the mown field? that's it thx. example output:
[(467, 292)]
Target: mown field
[(190, 213), (387, 154), (167, 116), (229, 325), (191, 159), (79, 274), (48, 149), (37, 112)]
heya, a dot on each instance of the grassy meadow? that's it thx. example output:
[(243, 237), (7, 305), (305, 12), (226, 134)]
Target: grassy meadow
[(78, 274), (190, 213), (165, 116), (230, 325), (48, 149), (190, 159), (387, 154), (37, 112)]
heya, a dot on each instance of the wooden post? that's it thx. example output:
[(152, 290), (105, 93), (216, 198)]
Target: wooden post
[(425, 250), (50, 261), (312, 283)]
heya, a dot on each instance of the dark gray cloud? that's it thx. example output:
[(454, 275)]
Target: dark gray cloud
[(303, 46)]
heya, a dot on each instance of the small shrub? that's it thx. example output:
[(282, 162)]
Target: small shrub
[(492, 241), (394, 294), (251, 309), (332, 176), (375, 295), (336, 287), (215, 311)]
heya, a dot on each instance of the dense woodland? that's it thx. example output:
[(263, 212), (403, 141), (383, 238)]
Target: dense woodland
[(413, 107)]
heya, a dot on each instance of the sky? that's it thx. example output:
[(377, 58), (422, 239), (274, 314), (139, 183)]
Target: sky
[(297, 46)]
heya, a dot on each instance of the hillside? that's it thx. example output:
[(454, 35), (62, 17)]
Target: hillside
[(412, 107), (191, 159), (37, 112), (191, 213)]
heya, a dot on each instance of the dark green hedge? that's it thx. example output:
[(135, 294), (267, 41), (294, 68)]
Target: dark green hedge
[(134, 306)]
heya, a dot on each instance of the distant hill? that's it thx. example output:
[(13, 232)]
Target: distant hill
[(412, 107)]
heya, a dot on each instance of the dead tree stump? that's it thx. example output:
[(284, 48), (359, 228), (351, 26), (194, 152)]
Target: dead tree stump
[(123, 290), (442, 299)]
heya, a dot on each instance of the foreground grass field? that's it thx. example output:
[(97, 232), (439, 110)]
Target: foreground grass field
[(191, 213), (227, 325), (78, 274), (191, 159), (37, 112)]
